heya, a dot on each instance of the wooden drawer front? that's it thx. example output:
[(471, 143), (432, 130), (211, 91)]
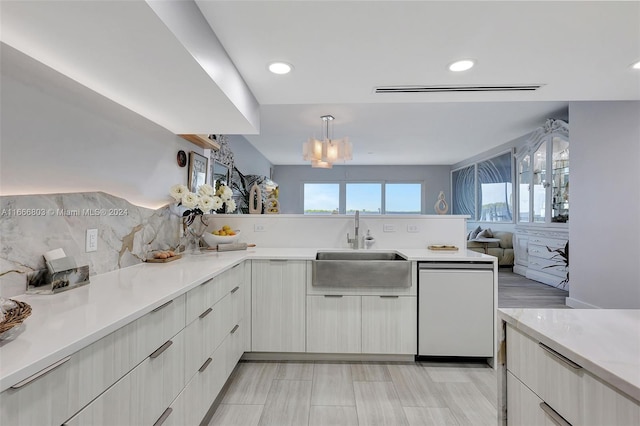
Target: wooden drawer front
[(141, 396), (551, 377), (523, 406), (604, 405), (160, 325), (190, 407), (235, 347), (237, 301), (389, 325), (205, 334), (44, 400), (334, 324)]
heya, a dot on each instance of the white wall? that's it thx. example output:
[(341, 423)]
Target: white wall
[(331, 231), (58, 136), (291, 179), (247, 158), (604, 231)]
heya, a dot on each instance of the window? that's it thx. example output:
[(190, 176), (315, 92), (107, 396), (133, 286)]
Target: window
[(321, 198), (463, 194), (368, 197), (495, 189), (484, 190), (403, 198)]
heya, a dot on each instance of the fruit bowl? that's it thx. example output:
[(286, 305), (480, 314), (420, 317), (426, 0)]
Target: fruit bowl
[(214, 240)]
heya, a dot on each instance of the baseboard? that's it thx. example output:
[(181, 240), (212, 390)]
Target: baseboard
[(299, 356), (520, 270), (578, 304)]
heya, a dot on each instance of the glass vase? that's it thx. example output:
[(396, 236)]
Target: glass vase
[(194, 231)]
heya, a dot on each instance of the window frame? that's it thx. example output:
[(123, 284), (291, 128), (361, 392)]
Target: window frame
[(343, 194)]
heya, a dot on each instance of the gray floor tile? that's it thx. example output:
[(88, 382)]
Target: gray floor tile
[(378, 404), (333, 416), (370, 372), (236, 415), (332, 384), (414, 386), (421, 416), (251, 383), (288, 403), (295, 371)]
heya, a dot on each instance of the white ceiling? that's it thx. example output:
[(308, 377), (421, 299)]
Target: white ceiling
[(342, 50), (161, 59)]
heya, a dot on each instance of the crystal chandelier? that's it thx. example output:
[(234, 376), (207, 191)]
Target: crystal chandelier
[(323, 153)]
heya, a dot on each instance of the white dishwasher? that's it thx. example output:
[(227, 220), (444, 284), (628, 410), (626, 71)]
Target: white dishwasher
[(455, 309)]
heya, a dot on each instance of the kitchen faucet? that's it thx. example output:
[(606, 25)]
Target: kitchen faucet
[(355, 242)]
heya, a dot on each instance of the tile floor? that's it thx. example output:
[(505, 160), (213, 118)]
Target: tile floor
[(358, 393), (363, 393)]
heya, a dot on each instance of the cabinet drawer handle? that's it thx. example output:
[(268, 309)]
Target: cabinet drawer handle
[(205, 313), (161, 349), (207, 281), (332, 295), (41, 373), (205, 365), (235, 266), (237, 326), (163, 306), (560, 357), (553, 415), (235, 289), (389, 297), (277, 260), (164, 416)]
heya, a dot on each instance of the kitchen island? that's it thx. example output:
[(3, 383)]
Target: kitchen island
[(569, 365)]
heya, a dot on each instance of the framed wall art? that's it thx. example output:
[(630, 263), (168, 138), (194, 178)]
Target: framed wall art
[(198, 170)]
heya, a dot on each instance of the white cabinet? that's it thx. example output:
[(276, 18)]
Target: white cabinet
[(54, 397), (278, 305), (142, 395), (542, 254), (389, 325), (544, 386), (543, 202), (334, 324), (456, 311)]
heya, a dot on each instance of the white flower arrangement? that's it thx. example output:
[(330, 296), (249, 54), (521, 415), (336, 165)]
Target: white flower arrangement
[(204, 201)]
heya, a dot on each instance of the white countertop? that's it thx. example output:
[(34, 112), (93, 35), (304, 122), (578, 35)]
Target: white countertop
[(64, 323), (605, 342)]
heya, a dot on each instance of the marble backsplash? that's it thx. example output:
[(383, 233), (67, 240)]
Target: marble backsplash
[(31, 225)]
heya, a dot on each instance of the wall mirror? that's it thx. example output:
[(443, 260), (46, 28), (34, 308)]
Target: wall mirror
[(219, 173)]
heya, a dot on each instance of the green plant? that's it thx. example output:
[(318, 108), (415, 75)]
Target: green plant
[(561, 257)]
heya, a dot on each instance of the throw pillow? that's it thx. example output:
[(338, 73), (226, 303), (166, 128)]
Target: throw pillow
[(475, 233), (485, 233)]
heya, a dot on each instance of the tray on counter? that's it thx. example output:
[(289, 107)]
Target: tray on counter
[(442, 247), (169, 259)]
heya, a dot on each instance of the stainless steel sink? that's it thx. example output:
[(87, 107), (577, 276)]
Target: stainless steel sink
[(361, 269)]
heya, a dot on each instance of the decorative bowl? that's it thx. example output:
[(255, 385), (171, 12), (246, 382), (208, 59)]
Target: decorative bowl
[(214, 240)]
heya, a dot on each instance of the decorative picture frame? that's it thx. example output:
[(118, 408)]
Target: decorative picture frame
[(198, 171)]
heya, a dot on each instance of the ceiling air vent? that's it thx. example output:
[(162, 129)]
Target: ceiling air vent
[(459, 88)]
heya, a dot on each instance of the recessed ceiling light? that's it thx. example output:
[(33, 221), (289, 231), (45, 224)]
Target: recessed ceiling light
[(462, 65), (280, 67), (636, 66)]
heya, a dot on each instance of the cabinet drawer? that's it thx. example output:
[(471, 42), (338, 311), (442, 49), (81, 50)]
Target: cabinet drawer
[(548, 266), (541, 252), (205, 334), (42, 400), (334, 324), (552, 243), (389, 325), (604, 405), (554, 378), (142, 395), (190, 407), (523, 406)]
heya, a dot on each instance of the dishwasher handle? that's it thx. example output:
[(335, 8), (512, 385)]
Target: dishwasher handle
[(470, 264)]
